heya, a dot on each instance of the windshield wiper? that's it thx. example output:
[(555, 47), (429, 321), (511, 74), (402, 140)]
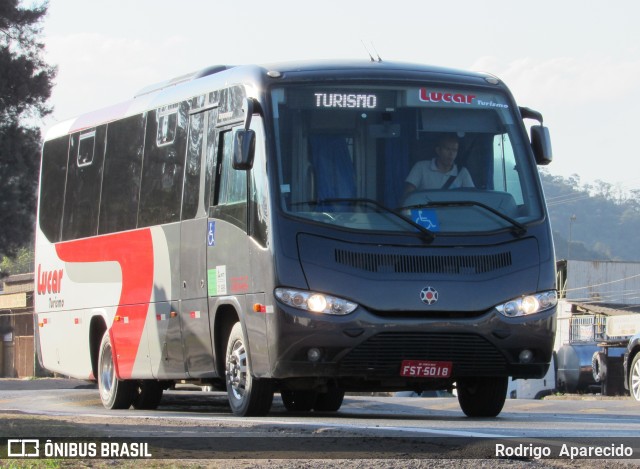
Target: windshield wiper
[(518, 228), (357, 201)]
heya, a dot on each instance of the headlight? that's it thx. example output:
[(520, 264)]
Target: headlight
[(530, 304), (314, 302)]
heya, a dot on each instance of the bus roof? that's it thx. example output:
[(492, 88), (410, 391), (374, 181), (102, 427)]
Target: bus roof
[(219, 76)]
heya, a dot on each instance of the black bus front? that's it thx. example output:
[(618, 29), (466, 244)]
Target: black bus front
[(411, 242)]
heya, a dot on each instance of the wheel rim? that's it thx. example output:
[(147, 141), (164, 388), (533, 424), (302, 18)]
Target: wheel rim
[(635, 381), (237, 370), (107, 372)]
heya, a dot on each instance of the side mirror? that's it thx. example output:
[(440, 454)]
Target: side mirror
[(244, 146), (541, 144)]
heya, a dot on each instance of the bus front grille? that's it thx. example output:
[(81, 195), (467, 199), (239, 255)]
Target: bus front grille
[(382, 354), (431, 264)]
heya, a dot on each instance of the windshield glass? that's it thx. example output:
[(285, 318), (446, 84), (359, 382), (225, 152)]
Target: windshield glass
[(449, 160)]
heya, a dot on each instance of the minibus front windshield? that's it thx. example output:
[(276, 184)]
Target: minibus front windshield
[(403, 159)]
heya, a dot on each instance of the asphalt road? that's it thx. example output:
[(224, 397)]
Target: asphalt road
[(576, 416), (366, 426)]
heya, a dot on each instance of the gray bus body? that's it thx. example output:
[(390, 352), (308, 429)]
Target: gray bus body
[(284, 253)]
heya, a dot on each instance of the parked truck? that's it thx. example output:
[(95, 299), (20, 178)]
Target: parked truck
[(617, 363)]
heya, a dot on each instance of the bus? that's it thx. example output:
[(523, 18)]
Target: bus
[(249, 228)]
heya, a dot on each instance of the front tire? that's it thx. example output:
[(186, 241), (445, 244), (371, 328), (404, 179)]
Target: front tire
[(248, 396), (114, 393), (634, 378), (298, 401), (482, 397), (329, 401)]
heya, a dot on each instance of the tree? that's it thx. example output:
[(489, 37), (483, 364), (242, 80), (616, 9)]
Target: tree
[(25, 86)]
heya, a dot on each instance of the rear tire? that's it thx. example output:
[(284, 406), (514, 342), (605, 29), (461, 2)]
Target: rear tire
[(482, 397), (147, 394), (248, 396), (114, 393), (298, 401), (329, 401)]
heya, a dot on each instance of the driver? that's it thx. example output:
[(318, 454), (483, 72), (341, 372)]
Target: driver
[(440, 172)]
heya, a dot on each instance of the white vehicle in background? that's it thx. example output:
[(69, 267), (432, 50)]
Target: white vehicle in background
[(534, 388)]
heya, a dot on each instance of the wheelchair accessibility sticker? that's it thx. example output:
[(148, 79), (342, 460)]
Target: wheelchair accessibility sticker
[(426, 217), (211, 234)]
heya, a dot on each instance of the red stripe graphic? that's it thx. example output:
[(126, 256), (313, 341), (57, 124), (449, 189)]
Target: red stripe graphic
[(133, 250)]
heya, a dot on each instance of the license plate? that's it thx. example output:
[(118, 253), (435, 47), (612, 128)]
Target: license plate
[(425, 369)]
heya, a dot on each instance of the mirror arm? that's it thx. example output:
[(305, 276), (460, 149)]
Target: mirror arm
[(528, 113), (249, 106)]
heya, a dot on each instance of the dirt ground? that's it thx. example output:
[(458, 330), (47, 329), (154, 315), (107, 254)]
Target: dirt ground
[(18, 425)]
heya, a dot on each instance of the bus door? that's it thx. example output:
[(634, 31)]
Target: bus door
[(194, 317), (237, 258), (228, 258)]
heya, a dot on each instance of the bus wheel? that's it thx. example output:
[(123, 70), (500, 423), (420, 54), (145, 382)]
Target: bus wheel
[(482, 397), (147, 394), (634, 378), (329, 401), (248, 396), (300, 401), (114, 393)]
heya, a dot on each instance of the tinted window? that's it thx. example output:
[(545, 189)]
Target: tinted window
[(121, 184), (83, 184), (163, 169), (447, 158), (259, 188), (232, 193), (210, 157), (192, 169), (233, 184), (54, 174)]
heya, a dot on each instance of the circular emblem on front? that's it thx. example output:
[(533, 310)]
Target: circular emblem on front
[(429, 295)]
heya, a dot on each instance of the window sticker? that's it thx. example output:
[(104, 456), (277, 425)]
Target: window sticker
[(427, 218), (212, 284), (211, 234), (217, 280)]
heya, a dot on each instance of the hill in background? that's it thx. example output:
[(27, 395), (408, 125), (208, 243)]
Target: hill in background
[(602, 221)]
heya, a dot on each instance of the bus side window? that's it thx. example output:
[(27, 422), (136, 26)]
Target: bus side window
[(210, 160), (54, 173), (84, 179), (121, 179), (163, 166), (192, 167), (231, 200)]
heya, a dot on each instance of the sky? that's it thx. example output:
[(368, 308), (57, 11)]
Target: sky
[(576, 61)]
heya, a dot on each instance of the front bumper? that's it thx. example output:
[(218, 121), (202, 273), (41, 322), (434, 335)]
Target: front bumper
[(365, 349)]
